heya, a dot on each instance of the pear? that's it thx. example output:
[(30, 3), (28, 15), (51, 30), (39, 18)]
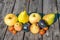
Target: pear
[(23, 17), (49, 18), (34, 28)]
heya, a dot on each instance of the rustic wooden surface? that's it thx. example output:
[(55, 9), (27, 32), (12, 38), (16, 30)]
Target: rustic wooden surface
[(40, 6)]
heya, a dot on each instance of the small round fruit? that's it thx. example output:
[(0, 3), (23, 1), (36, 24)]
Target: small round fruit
[(46, 28), (10, 19), (26, 27), (18, 26), (14, 32), (34, 17), (34, 28), (42, 32), (10, 28)]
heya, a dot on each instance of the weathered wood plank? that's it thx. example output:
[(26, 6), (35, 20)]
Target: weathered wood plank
[(2, 27), (47, 9), (3, 12), (58, 10), (26, 34), (56, 24), (40, 10), (1, 0), (19, 6), (50, 7), (35, 6), (7, 9), (58, 5)]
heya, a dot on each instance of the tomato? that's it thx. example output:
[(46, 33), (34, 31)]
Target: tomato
[(42, 31), (46, 28), (11, 28), (14, 32)]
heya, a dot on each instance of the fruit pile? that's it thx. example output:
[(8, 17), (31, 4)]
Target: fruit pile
[(33, 22)]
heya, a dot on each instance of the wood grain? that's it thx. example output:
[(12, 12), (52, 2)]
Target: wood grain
[(58, 10), (35, 6), (19, 6), (49, 6), (40, 6), (4, 9), (7, 9)]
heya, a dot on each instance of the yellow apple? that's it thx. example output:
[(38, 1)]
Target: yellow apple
[(34, 17), (10, 19), (34, 28), (18, 26)]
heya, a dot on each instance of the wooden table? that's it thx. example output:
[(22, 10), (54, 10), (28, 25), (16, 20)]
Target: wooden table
[(40, 6)]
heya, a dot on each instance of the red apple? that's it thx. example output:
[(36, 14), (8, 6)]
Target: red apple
[(34, 17)]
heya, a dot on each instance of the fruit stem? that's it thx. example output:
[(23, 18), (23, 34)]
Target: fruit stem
[(33, 15), (10, 18)]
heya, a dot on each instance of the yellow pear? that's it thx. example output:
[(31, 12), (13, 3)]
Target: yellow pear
[(49, 18), (23, 17)]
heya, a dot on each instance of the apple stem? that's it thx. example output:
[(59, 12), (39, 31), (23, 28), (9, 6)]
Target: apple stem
[(9, 17), (33, 15)]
